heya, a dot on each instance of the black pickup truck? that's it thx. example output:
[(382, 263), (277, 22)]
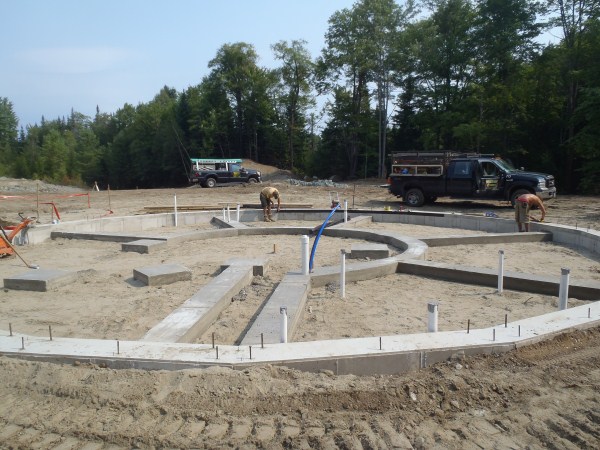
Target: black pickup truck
[(420, 177), (209, 172)]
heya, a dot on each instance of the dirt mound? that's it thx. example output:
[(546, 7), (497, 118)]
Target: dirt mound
[(23, 185), (268, 173)]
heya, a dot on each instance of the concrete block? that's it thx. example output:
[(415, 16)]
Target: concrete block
[(143, 246), (259, 265), (163, 274), (371, 251), (40, 280)]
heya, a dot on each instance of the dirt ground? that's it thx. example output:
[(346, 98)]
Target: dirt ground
[(542, 396)]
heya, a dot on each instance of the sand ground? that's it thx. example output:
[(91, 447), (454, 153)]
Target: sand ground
[(540, 396)]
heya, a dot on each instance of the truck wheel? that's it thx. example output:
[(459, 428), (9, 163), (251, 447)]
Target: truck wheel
[(252, 180), (211, 183), (414, 197), (516, 194)]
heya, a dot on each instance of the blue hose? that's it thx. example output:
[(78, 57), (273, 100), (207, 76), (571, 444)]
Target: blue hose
[(314, 247)]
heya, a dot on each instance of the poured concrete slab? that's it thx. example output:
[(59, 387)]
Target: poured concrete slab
[(259, 265), (96, 236), (354, 222), (227, 224), (489, 238), (40, 280), (516, 281), (163, 274), (143, 245), (360, 355), (371, 251), (291, 293), (198, 313)]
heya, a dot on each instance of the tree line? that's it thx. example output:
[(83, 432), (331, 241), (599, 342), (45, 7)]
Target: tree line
[(463, 75)]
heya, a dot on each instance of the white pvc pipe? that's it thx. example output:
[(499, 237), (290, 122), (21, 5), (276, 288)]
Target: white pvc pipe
[(432, 317), (283, 330), (175, 210), (228, 214), (224, 216), (237, 213), (343, 274), (500, 271), (304, 253), (345, 211), (563, 292)]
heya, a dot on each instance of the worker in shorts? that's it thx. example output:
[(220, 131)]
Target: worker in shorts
[(266, 201), (523, 206)]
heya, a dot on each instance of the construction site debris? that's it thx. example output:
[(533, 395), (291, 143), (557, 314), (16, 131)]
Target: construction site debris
[(328, 183)]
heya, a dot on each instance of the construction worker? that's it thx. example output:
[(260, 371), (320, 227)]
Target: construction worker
[(266, 201), (523, 206)]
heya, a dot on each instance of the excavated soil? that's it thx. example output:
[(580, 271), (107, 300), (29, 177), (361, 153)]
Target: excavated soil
[(541, 396)]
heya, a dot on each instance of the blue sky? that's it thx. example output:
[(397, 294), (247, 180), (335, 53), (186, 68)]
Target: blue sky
[(61, 54)]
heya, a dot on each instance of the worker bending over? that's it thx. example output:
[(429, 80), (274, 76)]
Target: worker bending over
[(266, 201), (523, 206)]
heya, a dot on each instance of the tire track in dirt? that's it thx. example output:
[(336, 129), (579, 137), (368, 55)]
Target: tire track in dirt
[(543, 395)]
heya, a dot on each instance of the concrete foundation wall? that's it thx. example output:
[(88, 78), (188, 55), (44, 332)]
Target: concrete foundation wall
[(577, 237)]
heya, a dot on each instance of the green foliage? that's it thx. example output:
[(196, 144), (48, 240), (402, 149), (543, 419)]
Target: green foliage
[(8, 135), (295, 80), (465, 75)]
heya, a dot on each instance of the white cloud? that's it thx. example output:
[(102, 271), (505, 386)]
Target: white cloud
[(75, 60)]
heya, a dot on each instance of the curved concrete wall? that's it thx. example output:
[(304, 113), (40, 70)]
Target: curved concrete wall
[(587, 239), (387, 354)]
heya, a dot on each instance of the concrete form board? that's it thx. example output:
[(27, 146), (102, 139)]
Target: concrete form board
[(40, 280)]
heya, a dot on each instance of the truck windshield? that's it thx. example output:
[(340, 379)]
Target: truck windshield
[(505, 165)]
